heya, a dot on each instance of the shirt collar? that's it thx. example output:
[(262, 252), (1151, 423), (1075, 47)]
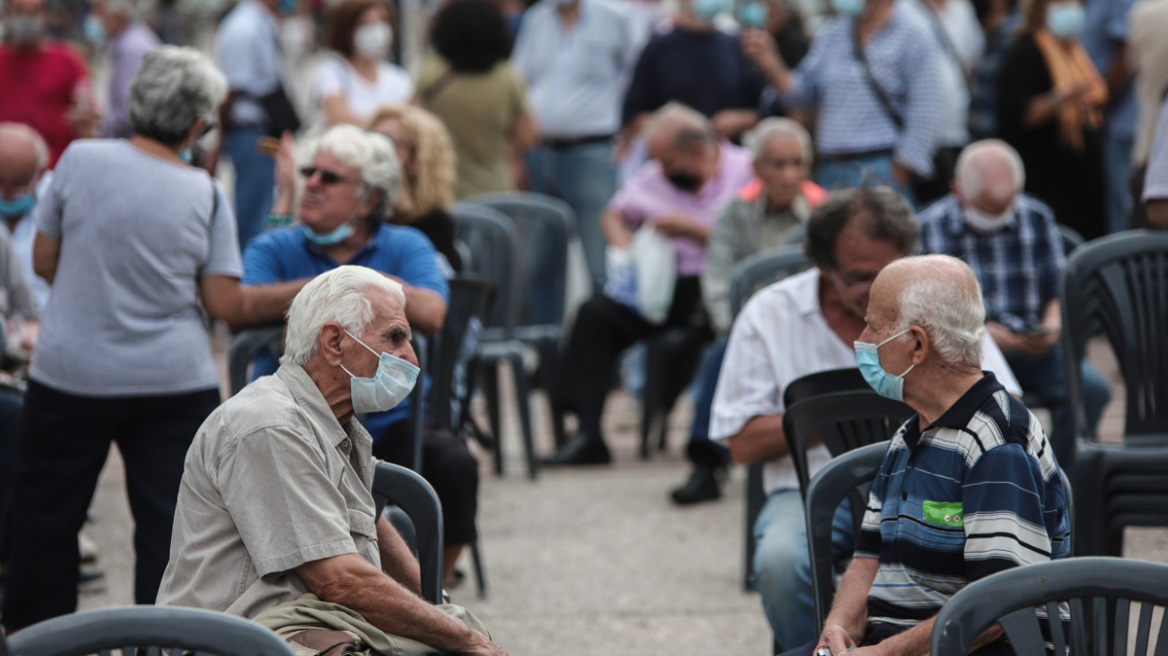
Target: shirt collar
[(309, 398), (807, 296), (960, 413)]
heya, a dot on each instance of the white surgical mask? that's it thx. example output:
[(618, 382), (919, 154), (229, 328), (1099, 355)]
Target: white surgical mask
[(392, 383), (373, 40), (985, 222), (1066, 20)]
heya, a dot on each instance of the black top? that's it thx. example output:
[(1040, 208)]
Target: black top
[(438, 227), (1069, 180)]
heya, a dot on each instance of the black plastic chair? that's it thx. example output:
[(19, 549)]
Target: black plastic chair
[(245, 346), (847, 476), (1072, 240), (153, 628), (1103, 597), (1121, 486), (491, 237), (407, 490)]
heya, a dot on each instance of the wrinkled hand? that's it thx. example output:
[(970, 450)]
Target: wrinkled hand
[(285, 163), (486, 648), (759, 47), (835, 638), (1037, 344), (1007, 340), (674, 225)]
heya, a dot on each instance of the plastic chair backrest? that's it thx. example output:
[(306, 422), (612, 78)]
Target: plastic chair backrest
[(1118, 485), (131, 627), (1117, 286), (762, 269), (842, 421), (490, 235), (417, 401), (412, 494), (1072, 240), (849, 475), (1110, 602), (245, 345), (828, 381), (454, 349), (543, 227)]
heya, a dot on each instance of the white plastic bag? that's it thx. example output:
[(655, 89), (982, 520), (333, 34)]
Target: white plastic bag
[(642, 277)]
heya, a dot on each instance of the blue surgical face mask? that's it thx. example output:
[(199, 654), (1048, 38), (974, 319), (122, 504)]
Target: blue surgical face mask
[(885, 384), (848, 8), (330, 238), (94, 30), (391, 384), (287, 6), (752, 14), (1066, 20), (18, 206), (708, 9)]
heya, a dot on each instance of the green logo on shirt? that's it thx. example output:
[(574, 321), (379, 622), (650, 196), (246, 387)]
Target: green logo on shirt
[(945, 513)]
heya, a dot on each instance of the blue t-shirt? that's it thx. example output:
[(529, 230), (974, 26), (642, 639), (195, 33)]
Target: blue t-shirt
[(283, 255)]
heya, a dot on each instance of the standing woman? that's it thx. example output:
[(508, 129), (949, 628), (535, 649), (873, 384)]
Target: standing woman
[(427, 158), (472, 87), (131, 238), (356, 79), (1050, 101)]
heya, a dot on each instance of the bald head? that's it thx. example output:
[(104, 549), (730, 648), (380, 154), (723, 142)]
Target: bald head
[(989, 175), (23, 156), (676, 126), (940, 294)]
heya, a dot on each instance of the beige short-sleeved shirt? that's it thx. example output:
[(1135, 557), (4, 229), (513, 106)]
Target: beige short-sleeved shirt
[(271, 482)]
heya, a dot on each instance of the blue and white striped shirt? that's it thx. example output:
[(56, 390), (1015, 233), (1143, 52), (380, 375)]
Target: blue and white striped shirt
[(905, 59), (1018, 267), (975, 493)]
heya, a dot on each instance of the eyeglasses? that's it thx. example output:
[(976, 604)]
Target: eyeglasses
[(207, 127), (327, 177), (855, 279)]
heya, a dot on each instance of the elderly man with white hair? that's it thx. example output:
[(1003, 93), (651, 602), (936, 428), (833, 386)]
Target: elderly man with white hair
[(276, 497), (768, 213), (969, 486), (1012, 243)]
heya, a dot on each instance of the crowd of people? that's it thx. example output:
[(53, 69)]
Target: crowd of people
[(979, 132)]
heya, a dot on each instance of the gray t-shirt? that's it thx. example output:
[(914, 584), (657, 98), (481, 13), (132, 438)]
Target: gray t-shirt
[(137, 233)]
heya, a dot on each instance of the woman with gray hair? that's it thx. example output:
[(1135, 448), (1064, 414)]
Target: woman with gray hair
[(132, 239)]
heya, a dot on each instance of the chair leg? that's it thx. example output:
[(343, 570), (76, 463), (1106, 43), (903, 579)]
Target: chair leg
[(480, 573), (523, 400), (489, 376)]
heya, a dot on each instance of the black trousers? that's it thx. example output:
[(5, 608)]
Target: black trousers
[(603, 330), (63, 445)]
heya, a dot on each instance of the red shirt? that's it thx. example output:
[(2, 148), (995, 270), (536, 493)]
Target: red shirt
[(39, 87)]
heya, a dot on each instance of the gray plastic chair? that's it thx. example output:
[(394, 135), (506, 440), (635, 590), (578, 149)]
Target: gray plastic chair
[(1102, 595), (491, 236), (762, 269), (245, 345), (407, 490), (128, 628)]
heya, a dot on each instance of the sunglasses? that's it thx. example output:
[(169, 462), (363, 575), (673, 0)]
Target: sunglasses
[(207, 127), (327, 177)]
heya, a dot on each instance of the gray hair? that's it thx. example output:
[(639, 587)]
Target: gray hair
[(370, 153), (20, 130), (174, 88), (970, 171), (774, 128), (689, 125), (947, 306), (127, 8), (336, 296)]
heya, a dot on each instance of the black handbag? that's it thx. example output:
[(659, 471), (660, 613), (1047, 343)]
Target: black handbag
[(282, 116)]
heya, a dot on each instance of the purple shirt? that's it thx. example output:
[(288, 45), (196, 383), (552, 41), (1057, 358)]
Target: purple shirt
[(648, 195), (126, 51)]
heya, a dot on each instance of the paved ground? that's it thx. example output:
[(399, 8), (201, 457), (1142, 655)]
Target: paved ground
[(591, 562)]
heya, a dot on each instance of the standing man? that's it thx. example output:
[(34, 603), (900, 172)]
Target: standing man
[(576, 57), (129, 39), (969, 486), (248, 52), (45, 83)]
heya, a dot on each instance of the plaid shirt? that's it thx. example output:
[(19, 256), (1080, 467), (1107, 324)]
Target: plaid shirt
[(1018, 266), (983, 104)]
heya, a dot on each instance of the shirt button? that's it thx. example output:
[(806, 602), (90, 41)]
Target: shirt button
[(345, 444)]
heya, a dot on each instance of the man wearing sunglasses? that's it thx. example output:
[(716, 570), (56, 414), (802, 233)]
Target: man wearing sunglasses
[(798, 326)]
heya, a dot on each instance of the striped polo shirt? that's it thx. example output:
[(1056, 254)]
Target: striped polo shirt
[(975, 493)]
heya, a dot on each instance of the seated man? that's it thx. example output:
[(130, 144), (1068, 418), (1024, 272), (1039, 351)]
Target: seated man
[(350, 187), (1012, 243), (276, 497), (692, 177), (969, 486), (24, 156), (769, 213), (798, 326)]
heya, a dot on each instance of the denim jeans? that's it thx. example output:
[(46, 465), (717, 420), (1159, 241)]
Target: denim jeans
[(585, 178), (1045, 378), (868, 170), (1117, 160), (255, 180), (782, 566), (700, 449)]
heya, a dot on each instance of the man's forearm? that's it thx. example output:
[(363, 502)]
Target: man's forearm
[(760, 440), (397, 560), (850, 608), (425, 309)]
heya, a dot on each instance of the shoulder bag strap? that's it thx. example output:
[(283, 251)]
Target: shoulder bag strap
[(946, 43), (876, 90), (441, 83)]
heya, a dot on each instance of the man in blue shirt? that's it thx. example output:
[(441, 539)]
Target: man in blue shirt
[(350, 185), (1011, 242)]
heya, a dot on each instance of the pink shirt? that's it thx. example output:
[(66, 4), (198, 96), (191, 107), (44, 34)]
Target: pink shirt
[(648, 195)]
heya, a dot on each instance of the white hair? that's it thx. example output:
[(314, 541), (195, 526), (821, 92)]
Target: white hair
[(370, 153), (174, 88), (691, 125), (337, 296), (40, 148), (977, 157), (949, 309), (774, 128)]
